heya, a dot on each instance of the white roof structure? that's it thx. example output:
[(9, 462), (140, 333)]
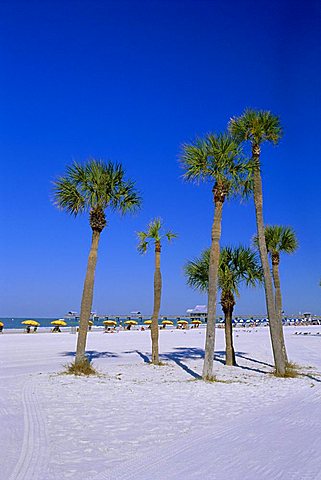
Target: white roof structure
[(198, 309)]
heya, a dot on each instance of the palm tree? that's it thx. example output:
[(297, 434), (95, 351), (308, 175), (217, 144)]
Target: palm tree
[(155, 235), (217, 159), (237, 265), (92, 188), (259, 127), (278, 239)]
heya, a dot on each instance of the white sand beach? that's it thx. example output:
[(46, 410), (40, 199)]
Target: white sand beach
[(137, 421)]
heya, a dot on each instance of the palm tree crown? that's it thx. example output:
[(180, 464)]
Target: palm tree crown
[(237, 265), (279, 239), (93, 188), (154, 235), (256, 126), (216, 158)]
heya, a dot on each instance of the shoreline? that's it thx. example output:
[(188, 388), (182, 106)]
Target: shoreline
[(101, 329)]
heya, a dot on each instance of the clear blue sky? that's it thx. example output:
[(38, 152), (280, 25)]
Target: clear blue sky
[(131, 81)]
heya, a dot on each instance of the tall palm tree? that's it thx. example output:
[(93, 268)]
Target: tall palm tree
[(155, 235), (93, 188), (217, 159), (278, 240), (259, 127), (237, 265)]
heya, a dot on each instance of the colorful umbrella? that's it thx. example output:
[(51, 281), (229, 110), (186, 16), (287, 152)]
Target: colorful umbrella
[(60, 323), (32, 323), (131, 322), (167, 322)]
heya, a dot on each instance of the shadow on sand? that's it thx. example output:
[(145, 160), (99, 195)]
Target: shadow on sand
[(182, 353), (92, 354)]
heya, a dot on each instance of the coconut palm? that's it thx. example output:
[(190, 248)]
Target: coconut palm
[(259, 127), (237, 265), (93, 188), (278, 240), (155, 235), (217, 159)]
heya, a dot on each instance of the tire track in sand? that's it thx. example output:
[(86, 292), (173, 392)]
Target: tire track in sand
[(33, 460)]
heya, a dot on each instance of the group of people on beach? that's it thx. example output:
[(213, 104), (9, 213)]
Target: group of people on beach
[(28, 329)]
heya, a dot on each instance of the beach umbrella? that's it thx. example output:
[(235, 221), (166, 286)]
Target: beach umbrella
[(148, 322), (1, 324), (31, 323), (131, 322), (112, 323), (60, 323), (182, 322), (167, 322), (196, 322)]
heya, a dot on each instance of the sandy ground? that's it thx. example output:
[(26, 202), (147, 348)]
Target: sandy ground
[(137, 421)]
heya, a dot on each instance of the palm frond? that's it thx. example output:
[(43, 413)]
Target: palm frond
[(142, 247), (154, 229), (279, 239), (154, 233), (218, 159), (170, 235), (196, 272), (95, 185), (194, 160), (68, 197), (237, 265), (257, 126), (126, 199)]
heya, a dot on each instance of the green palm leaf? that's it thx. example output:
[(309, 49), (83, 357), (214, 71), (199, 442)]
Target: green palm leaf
[(94, 187), (154, 234), (237, 265), (218, 159)]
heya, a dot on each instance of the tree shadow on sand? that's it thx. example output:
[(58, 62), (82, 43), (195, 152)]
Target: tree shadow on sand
[(175, 357), (92, 355), (220, 357), (143, 356), (182, 353), (192, 353)]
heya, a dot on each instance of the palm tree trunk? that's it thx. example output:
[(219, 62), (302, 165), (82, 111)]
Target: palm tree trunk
[(207, 373), (87, 298), (276, 339), (278, 298), (228, 307), (157, 300)]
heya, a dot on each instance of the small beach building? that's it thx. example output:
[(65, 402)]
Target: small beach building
[(198, 312)]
